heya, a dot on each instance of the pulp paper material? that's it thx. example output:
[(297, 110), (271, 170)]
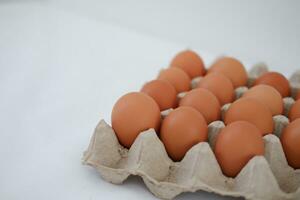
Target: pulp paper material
[(264, 177)]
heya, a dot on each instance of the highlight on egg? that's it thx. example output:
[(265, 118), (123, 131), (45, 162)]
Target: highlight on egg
[(268, 96), (276, 80), (295, 111), (219, 85), (181, 129), (290, 139), (236, 144), (232, 69), (190, 62), (250, 110), (133, 113), (176, 77), (203, 101), (162, 92)]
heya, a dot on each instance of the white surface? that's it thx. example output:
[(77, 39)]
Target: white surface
[(252, 30), (60, 74)]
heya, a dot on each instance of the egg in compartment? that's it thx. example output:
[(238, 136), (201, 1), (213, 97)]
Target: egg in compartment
[(133, 113), (162, 92), (250, 110), (295, 111), (276, 80), (247, 119), (203, 101), (190, 62), (268, 96), (176, 77), (232, 69), (236, 144), (219, 85), (290, 140), (181, 129)]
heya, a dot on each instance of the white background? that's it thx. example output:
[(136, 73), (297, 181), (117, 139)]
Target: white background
[(64, 63)]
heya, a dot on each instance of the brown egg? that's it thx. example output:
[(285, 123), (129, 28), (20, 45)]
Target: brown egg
[(232, 69), (133, 113), (267, 95), (190, 62), (219, 85), (290, 140), (295, 111), (205, 102), (236, 144), (162, 92), (181, 129), (276, 80), (251, 110), (177, 77), (298, 95)]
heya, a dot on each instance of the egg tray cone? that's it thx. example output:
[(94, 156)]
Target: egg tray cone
[(264, 177)]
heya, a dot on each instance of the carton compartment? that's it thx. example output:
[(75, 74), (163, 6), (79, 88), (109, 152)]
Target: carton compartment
[(264, 177)]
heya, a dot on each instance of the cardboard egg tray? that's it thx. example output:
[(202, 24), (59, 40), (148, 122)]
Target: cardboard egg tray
[(264, 177)]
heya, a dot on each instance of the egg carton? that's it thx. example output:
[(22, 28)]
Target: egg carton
[(267, 177)]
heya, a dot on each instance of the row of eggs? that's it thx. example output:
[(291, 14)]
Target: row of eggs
[(247, 119)]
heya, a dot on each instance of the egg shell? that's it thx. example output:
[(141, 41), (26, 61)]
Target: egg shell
[(295, 111), (251, 110), (290, 140), (190, 62), (181, 129), (298, 95), (203, 101), (133, 113), (236, 144), (219, 85), (276, 80), (176, 77), (268, 96), (162, 92), (232, 69)]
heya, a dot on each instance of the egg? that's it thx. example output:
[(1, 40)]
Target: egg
[(176, 77), (204, 101), (290, 140), (181, 129), (190, 62), (133, 113), (219, 85), (267, 95), (295, 111), (236, 144), (232, 69), (162, 92), (251, 110), (276, 80)]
